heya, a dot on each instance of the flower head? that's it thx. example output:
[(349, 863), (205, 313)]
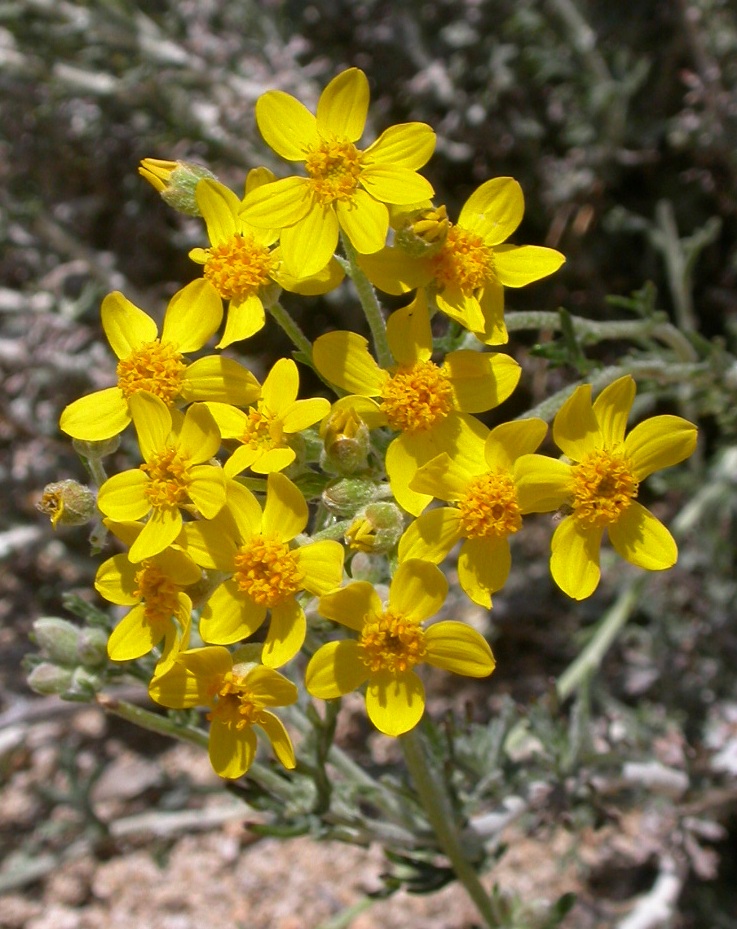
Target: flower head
[(599, 483), (346, 187), (237, 691), (467, 273), (266, 573), (265, 428), (173, 476), (156, 364), (480, 484), (428, 404), (242, 264), (391, 642)]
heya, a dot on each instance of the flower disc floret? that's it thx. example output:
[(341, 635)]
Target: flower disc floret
[(157, 367), (158, 592), (604, 485), (417, 397), (392, 642), (334, 167), (234, 704), (239, 267), (267, 571), (464, 262), (169, 478), (489, 508)]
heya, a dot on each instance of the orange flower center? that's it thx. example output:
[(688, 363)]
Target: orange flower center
[(604, 485), (168, 478), (157, 367), (239, 267), (334, 168), (392, 642), (267, 571), (234, 703), (463, 261), (490, 508), (159, 593), (263, 430), (417, 397)]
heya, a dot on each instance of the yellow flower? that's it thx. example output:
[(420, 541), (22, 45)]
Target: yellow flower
[(266, 573), (391, 642), (173, 475), (468, 272), (428, 404), (480, 483), (175, 181), (154, 588), (237, 691), (346, 187), (157, 365), (265, 429), (599, 483), (241, 264)]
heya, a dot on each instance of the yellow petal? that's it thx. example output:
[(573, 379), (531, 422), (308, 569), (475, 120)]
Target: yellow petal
[(122, 495), (444, 477), (192, 316), (395, 703), (285, 512), (305, 413), (231, 750), (509, 441), (199, 438), (280, 385), (660, 442), (405, 145), (458, 648), (543, 484), (323, 281), (245, 318), (286, 125), (576, 429), (395, 185), (210, 544), (574, 560), (276, 205), (242, 458), (464, 308), (97, 416), (207, 489), (431, 536), (481, 380), (220, 379), (219, 207), (343, 106), (393, 271), (163, 526), (116, 581), (279, 738), (134, 636), (518, 265), (494, 210), (269, 688), (244, 509), (309, 244), (483, 568), (126, 326), (274, 459), (231, 421), (229, 615), (322, 564), (335, 669), (493, 331), (409, 334), (418, 590), (153, 422), (343, 359), (643, 540), (287, 630), (349, 605), (365, 221), (612, 408)]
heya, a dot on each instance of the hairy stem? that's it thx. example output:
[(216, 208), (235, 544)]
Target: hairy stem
[(370, 304)]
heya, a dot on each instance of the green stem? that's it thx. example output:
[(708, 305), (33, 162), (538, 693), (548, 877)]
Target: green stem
[(370, 304), (290, 327), (440, 815)]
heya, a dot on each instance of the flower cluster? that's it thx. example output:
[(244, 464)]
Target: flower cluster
[(226, 561)]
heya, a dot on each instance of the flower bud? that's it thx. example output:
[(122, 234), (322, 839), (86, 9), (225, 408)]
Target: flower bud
[(349, 494), (49, 679), (68, 502), (377, 528), (422, 233), (58, 639), (84, 685), (347, 441), (92, 647), (176, 181)]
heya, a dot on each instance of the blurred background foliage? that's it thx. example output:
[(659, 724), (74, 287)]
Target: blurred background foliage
[(620, 122)]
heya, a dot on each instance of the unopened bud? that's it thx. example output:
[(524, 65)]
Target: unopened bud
[(176, 181), (347, 441), (84, 685), (48, 679), (67, 502), (377, 528), (58, 639), (348, 495), (423, 233), (97, 449), (92, 647)]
